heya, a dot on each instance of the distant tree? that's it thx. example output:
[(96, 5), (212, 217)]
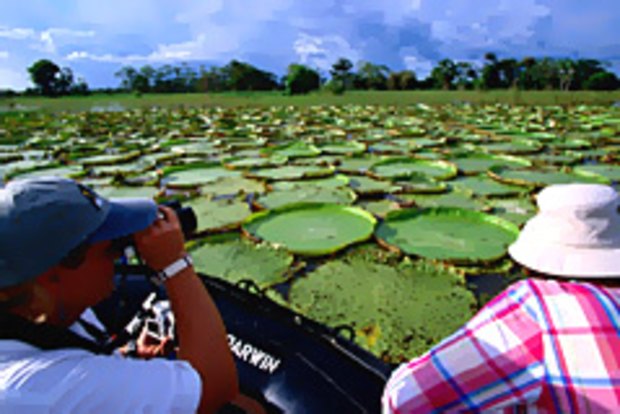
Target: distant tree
[(444, 74), (64, 81), (466, 75), (127, 75), (371, 76), (408, 80), (404, 80), (301, 79), (490, 77), (80, 87), (602, 81), (342, 78), (44, 74), (242, 76)]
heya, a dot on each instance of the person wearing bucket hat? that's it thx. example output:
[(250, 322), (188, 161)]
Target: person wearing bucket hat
[(57, 252), (547, 344)]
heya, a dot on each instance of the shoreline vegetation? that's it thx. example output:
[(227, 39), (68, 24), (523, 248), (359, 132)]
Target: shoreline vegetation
[(127, 101)]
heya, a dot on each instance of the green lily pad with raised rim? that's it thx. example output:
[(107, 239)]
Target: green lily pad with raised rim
[(402, 167), (515, 210), (562, 159), (515, 146), (474, 163), (294, 150), (483, 186), (291, 172), (608, 171), (450, 234), (379, 208), (540, 176), (66, 171), (336, 181), (230, 258), (109, 159), (232, 186), (195, 174), (369, 186), (420, 184), (247, 163), (307, 194), (457, 199), (361, 292), (311, 229), (342, 147), (219, 215), (357, 165)]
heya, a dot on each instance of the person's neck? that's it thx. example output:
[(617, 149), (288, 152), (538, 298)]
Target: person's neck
[(54, 314)]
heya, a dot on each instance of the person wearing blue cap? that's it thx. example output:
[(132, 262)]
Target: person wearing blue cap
[(57, 253)]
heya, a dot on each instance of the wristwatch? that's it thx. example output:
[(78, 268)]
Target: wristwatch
[(173, 269)]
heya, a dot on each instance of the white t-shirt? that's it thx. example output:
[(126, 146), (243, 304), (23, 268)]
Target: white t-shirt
[(33, 381)]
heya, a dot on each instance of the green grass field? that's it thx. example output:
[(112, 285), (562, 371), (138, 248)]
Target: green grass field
[(129, 101)]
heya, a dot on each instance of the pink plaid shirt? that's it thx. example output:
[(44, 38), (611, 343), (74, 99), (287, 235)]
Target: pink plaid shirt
[(542, 346)]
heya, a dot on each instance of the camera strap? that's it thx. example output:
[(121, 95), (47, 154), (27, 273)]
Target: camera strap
[(44, 336)]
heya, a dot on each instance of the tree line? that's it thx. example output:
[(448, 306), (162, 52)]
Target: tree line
[(526, 74)]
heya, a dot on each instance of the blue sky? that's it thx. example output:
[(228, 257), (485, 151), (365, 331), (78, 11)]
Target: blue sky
[(96, 38)]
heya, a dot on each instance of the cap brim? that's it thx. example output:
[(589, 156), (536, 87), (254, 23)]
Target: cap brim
[(567, 261), (126, 216)]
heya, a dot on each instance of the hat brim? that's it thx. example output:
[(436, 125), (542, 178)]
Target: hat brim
[(567, 261), (125, 216)]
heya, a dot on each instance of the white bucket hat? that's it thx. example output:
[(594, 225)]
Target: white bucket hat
[(576, 232)]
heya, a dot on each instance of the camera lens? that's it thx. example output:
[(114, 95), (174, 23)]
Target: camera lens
[(186, 217)]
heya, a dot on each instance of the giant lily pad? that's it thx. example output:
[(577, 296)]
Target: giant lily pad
[(294, 150), (343, 147), (514, 146), (109, 159), (479, 162), (432, 303), (263, 162), (291, 172), (127, 191), (404, 167), (607, 171), (311, 229), (307, 194), (336, 181), (483, 186), (450, 234), (231, 186), (540, 177), (227, 257), (218, 215), (459, 199), (357, 165), (368, 186), (195, 175)]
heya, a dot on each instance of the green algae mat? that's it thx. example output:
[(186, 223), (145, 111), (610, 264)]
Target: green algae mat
[(311, 229), (397, 311), (450, 234)]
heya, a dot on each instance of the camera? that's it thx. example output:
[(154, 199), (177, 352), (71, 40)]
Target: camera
[(186, 217)]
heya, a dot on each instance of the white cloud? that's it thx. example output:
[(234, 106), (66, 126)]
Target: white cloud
[(488, 22), (13, 79), (322, 51), (4, 54), (422, 67), (203, 47), (16, 33)]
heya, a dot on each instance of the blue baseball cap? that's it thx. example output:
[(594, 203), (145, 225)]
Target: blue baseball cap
[(43, 219)]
